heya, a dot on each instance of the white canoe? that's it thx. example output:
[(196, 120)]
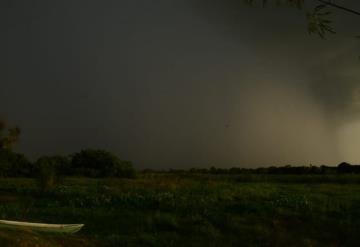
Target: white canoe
[(55, 228)]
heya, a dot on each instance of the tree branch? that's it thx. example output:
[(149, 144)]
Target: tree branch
[(339, 7)]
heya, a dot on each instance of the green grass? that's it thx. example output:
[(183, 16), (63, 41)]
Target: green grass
[(196, 210)]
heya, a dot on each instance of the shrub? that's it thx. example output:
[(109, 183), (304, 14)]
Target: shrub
[(49, 171), (100, 163), (14, 164), (125, 169)]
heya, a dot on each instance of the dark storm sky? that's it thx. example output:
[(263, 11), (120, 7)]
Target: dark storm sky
[(180, 83)]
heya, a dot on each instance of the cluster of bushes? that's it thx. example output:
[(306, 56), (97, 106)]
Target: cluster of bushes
[(99, 163), (88, 163), (14, 164)]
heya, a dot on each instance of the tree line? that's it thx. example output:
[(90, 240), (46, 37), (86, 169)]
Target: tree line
[(343, 168), (88, 162), (98, 163)]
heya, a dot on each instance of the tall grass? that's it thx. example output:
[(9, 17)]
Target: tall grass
[(164, 210)]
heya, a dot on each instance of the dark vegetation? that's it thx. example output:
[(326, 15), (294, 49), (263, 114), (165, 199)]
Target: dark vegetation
[(319, 17), (343, 168), (49, 169), (101, 164), (188, 210), (274, 206), (86, 163)]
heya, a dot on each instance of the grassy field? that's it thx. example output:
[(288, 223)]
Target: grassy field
[(189, 210)]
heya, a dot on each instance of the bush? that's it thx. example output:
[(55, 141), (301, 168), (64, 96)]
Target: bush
[(125, 169), (49, 171), (100, 163), (14, 165)]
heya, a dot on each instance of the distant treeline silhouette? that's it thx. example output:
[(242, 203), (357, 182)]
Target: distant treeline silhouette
[(100, 163), (343, 168), (87, 163)]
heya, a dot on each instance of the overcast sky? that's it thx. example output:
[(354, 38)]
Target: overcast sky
[(180, 83)]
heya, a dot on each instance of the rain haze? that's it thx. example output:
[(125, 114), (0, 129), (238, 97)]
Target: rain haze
[(180, 83)]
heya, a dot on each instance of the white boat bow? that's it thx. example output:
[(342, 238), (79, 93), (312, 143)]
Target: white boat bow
[(56, 228)]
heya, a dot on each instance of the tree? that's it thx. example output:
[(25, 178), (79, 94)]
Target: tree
[(8, 136), (14, 164), (319, 21), (100, 163), (11, 164)]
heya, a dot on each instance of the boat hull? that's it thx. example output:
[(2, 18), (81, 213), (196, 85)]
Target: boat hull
[(40, 227)]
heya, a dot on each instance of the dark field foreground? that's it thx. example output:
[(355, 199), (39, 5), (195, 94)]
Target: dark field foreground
[(173, 210)]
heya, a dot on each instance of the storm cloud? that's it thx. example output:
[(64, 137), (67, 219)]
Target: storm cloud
[(179, 83)]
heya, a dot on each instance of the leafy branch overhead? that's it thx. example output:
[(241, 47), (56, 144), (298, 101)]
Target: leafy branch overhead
[(319, 22), (319, 18)]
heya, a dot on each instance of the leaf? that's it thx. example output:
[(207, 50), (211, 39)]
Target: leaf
[(318, 23)]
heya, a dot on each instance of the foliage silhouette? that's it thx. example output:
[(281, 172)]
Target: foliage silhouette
[(14, 164), (319, 18), (49, 171), (100, 163), (8, 136)]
